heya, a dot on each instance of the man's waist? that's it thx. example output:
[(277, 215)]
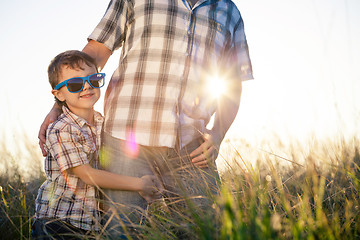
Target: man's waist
[(168, 134), (173, 142), (191, 145)]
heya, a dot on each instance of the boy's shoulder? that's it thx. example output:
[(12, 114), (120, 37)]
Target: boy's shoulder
[(65, 122), (70, 122), (60, 124)]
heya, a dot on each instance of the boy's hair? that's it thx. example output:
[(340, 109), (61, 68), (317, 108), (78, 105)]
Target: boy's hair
[(71, 59)]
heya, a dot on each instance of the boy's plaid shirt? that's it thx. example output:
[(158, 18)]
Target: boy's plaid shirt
[(168, 51), (70, 142)]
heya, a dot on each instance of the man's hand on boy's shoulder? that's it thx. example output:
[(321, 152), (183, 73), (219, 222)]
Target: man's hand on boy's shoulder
[(50, 118)]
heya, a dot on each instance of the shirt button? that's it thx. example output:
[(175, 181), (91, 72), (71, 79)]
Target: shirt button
[(188, 32)]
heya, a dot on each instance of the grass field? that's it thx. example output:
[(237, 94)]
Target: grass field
[(311, 193)]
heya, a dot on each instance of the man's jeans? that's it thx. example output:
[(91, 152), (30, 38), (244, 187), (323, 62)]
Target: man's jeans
[(181, 179)]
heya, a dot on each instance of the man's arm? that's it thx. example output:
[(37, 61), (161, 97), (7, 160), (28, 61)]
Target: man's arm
[(227, 109), (99, 52)]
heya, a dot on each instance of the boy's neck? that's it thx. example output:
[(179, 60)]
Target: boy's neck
[(90, 117), (87, 114)]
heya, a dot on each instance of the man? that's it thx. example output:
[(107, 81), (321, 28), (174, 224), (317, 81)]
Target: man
[(157, 104)]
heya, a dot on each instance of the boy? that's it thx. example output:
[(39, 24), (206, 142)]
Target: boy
[(67, 201)]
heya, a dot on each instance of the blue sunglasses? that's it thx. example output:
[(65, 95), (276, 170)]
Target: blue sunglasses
[(76, 84)]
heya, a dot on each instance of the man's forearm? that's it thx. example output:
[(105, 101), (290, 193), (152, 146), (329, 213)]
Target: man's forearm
[(56, 107), (227, 109), (99, 52)]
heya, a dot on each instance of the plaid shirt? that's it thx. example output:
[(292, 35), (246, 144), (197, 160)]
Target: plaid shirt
[(169, 50), (70, 142)]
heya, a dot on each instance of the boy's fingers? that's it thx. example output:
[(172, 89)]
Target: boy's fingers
[(160, 188), (157, 195), (157, 183)]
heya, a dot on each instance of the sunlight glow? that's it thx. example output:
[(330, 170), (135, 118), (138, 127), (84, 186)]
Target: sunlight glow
[(216, 86)]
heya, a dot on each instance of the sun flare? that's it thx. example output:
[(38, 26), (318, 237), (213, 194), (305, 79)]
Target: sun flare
[(216, 86)]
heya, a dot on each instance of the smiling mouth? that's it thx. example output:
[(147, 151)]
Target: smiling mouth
[(87, 95)]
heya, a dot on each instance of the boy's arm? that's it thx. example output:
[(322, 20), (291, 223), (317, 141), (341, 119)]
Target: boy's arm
[(99, 52), (146, 185)]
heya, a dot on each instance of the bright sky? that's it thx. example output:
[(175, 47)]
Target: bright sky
[(305, 55)]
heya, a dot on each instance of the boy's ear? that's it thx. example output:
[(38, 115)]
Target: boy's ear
[(58, 95)]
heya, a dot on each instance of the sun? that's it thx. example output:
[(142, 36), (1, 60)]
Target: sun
[(216, 86)]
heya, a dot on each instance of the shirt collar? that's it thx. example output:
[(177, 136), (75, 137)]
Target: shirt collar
[(98, 119), (199, 2)]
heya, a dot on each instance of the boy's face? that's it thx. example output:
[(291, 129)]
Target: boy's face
[(80, 101)]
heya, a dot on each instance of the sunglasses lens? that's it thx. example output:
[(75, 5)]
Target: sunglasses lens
[(97, 80), (75, 84)]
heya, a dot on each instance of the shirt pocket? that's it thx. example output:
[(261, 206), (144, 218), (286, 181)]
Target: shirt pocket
[(213, 37)]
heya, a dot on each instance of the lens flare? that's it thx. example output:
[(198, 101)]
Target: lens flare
[(132, 148), (216, 86)]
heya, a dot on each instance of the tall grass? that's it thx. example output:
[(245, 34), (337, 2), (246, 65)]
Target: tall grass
[(317, 199), (314, 195), (20, 177)]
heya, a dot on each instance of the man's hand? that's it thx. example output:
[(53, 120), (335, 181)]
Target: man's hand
[(227, 108), (51, 117), (207, 152)]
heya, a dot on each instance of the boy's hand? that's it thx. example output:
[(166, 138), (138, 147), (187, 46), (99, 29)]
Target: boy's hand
[(151, 188), (51, 117)]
